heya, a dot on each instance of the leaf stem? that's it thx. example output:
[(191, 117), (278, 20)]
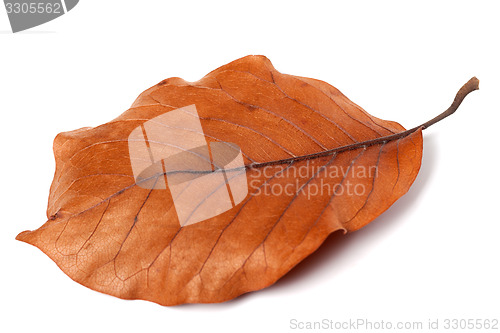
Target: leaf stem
[(470, 86)]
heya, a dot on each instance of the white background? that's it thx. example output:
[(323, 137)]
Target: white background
[(434, 254)]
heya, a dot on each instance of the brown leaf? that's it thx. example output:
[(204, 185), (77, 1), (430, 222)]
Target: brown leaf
[(206, 190)]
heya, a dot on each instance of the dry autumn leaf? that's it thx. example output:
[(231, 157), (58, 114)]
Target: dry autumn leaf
[(206, 190)]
